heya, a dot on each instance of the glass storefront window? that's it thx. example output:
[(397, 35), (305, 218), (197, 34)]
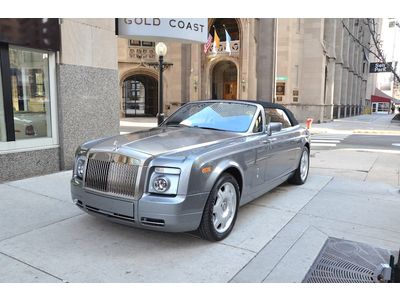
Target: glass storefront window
[(2, 121), (30, 93)]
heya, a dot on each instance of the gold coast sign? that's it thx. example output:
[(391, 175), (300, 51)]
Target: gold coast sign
[(159, 29)]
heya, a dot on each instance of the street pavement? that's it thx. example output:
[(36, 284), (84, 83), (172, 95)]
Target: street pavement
[(350, 194)]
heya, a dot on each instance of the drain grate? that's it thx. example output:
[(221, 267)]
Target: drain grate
[(342, 261)]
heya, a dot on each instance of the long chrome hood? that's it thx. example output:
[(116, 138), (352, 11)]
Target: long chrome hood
[(158, 141)]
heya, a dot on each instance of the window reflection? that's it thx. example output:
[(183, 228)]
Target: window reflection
[(30, 93)]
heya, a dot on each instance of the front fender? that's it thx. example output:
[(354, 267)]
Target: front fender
[(219, 169)]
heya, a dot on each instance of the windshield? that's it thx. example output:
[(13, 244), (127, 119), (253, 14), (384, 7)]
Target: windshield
[(226, 116)]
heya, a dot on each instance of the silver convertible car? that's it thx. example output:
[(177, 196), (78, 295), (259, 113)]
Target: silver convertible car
[(193, 171)]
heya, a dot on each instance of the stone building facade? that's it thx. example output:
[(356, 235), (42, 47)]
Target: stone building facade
[(325, 69), (313, 66), (58, 88), (247, 72)]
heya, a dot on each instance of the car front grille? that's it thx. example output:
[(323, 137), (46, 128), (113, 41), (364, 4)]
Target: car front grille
[(112, 173)]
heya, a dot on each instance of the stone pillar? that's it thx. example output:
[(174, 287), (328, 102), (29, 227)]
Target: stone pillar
[(185, 72), (345, 72), (338, 69), (88, 97), (265, 29), (330, 41)]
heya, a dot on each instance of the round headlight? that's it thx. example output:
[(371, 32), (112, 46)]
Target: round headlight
[(80, 167), (161, 184)]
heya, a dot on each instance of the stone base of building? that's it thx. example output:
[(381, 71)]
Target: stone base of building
[(18, 165)]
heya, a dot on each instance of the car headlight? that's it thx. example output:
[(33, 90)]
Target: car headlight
[(164, 181), (80, 166), (80, 161)]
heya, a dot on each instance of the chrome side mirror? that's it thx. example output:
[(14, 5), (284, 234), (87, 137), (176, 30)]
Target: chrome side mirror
[(275, 126), (268, 129)]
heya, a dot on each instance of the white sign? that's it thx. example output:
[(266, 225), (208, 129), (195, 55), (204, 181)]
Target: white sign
[(162, 29)]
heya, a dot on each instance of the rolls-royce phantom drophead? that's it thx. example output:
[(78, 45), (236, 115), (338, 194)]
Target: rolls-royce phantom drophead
[(195, 170)]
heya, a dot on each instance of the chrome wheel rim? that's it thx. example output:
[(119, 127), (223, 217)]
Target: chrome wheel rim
[(224, 207), (304, 165)]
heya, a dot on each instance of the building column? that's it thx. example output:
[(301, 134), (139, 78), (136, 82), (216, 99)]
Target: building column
[(345, 72), (265, 58), (330, 40)]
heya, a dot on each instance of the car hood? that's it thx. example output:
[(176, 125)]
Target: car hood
[(165, 140)]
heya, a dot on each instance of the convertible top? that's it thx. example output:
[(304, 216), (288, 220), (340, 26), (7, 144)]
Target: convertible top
[(267, 104)]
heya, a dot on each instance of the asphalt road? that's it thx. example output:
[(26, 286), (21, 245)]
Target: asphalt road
[(357, 141)]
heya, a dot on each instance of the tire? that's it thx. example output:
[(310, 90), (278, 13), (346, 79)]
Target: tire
[(300, 175), (218, 220)]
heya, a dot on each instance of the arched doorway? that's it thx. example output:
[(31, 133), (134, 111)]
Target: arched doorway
[(224, 81), (140, 96)]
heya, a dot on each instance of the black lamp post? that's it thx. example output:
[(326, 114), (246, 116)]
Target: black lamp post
[(161, 50)]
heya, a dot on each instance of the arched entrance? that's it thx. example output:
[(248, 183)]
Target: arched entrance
[(140, 96), (224, 81)]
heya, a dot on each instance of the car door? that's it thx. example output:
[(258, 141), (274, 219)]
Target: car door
[(283, 146)]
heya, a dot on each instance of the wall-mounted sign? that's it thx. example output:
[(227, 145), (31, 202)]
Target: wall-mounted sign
[(280, 88), (281, 78), (162, 29), (378, 67)]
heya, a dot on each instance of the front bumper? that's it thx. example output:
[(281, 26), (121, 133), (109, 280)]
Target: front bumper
[(173, 214)]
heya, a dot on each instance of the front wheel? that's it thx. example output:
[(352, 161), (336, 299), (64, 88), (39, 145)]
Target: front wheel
[(300, 175), (220, 211)]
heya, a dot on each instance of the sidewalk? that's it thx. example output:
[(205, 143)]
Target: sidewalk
[(45, 238), (362, 124)]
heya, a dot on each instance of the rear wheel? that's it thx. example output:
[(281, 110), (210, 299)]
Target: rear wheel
[(300, 175), (220, 211)]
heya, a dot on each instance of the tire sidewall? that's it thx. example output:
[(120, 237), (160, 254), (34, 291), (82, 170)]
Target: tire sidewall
[(305, 149), (210, 205)]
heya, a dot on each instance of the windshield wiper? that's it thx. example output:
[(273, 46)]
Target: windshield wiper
[(176, 125), (212, 128)]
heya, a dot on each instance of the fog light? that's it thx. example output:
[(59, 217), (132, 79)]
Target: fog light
[(161, 184)]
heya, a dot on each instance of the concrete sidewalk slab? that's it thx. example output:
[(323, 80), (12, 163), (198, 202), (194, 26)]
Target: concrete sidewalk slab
[(256, 226), (293, 267), (337, 159), (53, 185), (22, 211), (87, 249), (366, 190), (14, 271), (362, 210)]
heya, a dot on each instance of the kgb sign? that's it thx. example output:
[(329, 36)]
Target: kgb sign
[(162, 29), (378, 67)]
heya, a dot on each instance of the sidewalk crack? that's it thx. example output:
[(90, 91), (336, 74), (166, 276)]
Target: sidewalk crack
[(33, 267)]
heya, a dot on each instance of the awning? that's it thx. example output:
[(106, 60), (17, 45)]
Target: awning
[(380, 96)]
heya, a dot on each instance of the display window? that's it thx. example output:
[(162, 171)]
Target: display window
[(32, 93)]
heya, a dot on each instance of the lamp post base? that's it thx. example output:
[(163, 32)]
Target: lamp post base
[(160, 118)]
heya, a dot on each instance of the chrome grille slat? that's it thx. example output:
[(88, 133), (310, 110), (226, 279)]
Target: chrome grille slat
[(112, 173)]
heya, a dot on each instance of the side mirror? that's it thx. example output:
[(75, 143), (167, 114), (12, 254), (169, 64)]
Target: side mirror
[(268, 130), (275, 126)]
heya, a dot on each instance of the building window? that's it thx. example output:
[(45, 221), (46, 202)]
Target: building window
[(32, 103), (30, 93), (137, 43), (2, 121)]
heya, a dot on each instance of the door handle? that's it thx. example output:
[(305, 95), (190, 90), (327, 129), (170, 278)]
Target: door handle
[(265, 142), (272, 139)]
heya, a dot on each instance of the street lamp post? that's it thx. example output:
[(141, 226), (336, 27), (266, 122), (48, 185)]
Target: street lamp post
[(161, 50)]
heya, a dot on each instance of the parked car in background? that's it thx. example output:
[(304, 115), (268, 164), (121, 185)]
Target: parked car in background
[(195, 170)]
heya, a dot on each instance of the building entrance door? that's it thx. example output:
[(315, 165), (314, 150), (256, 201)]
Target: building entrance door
[(140, 96), (224, 81), (230, 89)]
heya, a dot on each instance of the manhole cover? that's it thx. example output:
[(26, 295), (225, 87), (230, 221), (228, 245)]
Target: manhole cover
[(347, 261)]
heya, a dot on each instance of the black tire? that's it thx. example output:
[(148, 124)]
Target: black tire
[(297, 177), (207, 229)]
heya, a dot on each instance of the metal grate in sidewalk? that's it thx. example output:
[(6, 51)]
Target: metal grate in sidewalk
[(342, 261)]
